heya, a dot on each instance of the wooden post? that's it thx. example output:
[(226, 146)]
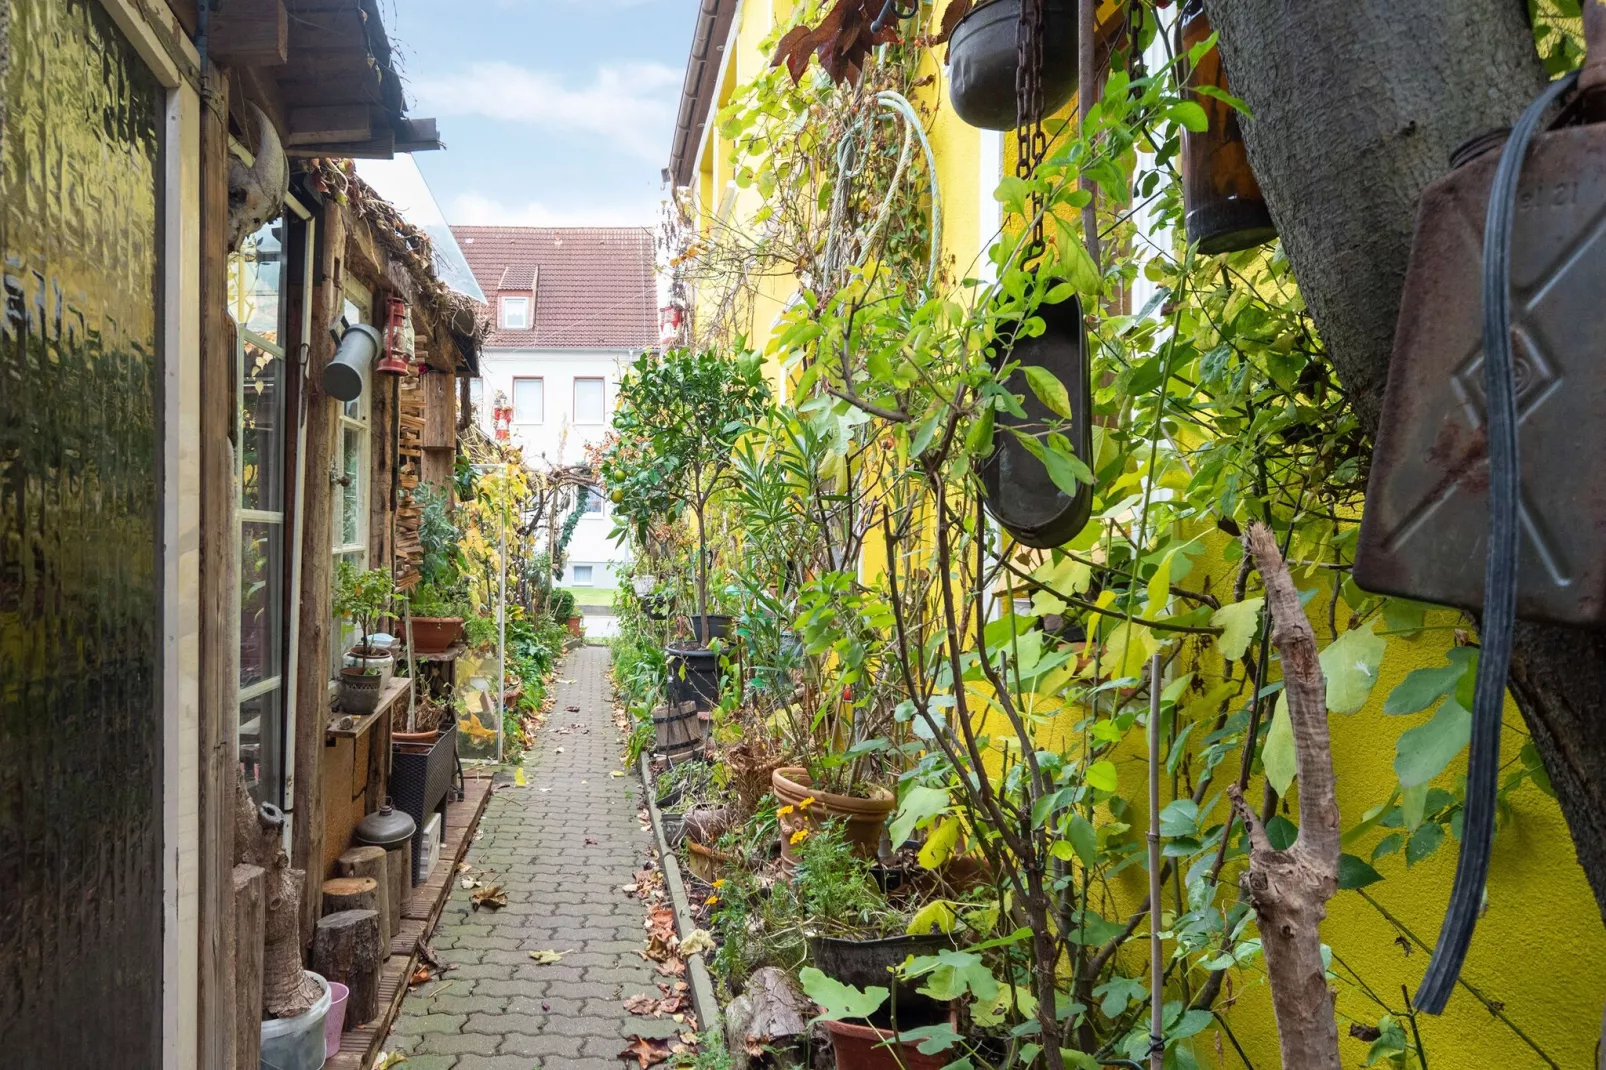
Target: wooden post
[(350, 893), (219, 586), (371, 862), (312, 668), (400, 863), (347, 947), (250, 920)]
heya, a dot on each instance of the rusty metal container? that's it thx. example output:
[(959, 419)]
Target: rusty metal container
[(1424, 533)]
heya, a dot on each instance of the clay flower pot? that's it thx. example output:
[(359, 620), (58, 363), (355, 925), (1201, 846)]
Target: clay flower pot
[(859, 1047), (862, 818), (435, 635)]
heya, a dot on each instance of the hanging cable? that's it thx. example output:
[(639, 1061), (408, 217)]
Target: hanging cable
[(1500, 570)]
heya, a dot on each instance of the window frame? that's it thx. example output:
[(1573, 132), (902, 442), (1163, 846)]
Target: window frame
[(524, 304), (513, 396), (601, 381), (591, 576)]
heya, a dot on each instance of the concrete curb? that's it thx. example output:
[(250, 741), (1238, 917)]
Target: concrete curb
[(702, 985)]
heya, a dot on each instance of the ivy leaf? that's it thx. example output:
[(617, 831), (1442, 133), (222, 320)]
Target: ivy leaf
[(1238, 623), (837, 1000), (1049, 390), (1350, 664), (1278, 755), (919, 804), (1422, 753), (1355, 873)]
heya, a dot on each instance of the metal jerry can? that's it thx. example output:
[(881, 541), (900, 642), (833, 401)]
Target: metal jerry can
[(1424, 534)]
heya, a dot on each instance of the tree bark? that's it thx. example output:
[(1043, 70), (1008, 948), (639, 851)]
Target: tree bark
[(1357, 105), (1289, 889), (248, 939), (344, 894), (347, 947), (371, 862)]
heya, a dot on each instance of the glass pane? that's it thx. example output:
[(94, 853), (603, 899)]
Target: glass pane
[(343, 634), (262, 431), (351, 496), (589, 403), (254, 285), (262, 745), (529, 400), (261, 600), (515, 312)]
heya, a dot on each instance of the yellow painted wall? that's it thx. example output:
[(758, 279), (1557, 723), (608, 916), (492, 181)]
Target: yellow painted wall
[(1538, 947)]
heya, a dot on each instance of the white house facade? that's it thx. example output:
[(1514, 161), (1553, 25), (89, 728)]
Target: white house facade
[(572, 307)]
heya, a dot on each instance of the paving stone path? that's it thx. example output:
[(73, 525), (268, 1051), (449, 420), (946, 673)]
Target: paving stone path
[(562, 855)]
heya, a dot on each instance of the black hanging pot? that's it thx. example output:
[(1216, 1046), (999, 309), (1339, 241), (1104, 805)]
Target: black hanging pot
[(983, 57), (1020, 493)]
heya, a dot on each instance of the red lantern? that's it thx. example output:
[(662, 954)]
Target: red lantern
[(394, 362)]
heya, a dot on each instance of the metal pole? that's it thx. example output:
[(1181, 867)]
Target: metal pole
[(1087, 91), (1156, 962), (501, 623)]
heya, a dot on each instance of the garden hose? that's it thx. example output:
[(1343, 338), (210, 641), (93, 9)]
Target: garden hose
[(1500, 570)]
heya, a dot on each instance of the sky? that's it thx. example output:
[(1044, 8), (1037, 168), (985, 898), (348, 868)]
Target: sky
[(553, 112)]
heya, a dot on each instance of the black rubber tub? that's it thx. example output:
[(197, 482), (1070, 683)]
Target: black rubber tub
[(983, 56)]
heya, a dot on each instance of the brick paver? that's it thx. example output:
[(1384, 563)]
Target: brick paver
[(562, 848)]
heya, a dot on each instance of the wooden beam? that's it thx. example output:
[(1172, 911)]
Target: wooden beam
[(248, 938), (312, 667), (322, 83), (381, 147), (417, 135), (331, 123), (333, 30), (219, 648), (249, 33)]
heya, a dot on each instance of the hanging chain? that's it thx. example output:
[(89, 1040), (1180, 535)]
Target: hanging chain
[(1031, 143)]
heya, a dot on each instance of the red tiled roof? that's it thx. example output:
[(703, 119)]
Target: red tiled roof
[(594, 286)]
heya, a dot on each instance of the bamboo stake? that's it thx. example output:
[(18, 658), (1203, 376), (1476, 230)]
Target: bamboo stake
[(1156, 962)]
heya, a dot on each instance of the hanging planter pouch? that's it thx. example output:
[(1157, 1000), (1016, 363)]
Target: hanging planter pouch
[(983, 56), (1019, 491)]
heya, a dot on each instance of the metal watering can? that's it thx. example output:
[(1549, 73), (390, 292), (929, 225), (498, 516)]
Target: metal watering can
[(1488, 485)]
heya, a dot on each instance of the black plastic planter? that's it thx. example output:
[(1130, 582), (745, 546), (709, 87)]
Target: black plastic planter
[(420, 782), (1020, 492), (693, 677), (719, 626), (863, 963), (982, 60)]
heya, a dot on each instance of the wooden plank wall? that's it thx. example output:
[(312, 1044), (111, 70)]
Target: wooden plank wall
[(219, 605), (312, 667)]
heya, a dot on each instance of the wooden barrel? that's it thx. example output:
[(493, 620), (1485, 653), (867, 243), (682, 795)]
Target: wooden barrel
[(680, 735)]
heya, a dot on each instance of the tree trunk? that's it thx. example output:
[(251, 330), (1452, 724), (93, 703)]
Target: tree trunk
[(371, 862), (1357, 105), (341, 894), (400, 863), (702, 572), (347, 947), (286, 989), (248, 939), (1289, 889)]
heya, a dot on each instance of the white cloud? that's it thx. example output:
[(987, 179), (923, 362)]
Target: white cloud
[(473, 209), (632, 105)]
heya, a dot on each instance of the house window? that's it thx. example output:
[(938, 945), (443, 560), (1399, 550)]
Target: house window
[(349, 538), (529, 401), (582, 575), (258, 295), (515, 313), (594, 504), (590, 401)]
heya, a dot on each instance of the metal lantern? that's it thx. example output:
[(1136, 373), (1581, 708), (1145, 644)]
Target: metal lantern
[(395, 362)]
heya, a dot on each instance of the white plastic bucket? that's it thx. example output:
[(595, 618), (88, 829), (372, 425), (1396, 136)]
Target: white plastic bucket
[(297, 1043)]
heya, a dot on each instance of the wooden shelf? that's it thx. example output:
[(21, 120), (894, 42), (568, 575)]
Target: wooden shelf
[(451, 653), (394, 692)]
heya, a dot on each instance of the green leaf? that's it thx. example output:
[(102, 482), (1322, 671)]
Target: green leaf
[(1115, 994), (951, 974), (1278, 755), (935, 915), (1350, 664), (979, 439), (932, 1038), (1049, 390), (919, 804), (1413, 806), (1102, 776), (1423, 687), (1190, 116), (838, 1000), (1238, 623), (1423, 842), (1422, 753), (1191, 1023), (1355, 873), (1180, 818), (940, 844), (1281, 832), (1084, 839)]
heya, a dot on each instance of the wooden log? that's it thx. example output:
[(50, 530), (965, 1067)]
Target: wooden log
[(347, 947), (248, 942), (341, 894), (371, 862), (400, 862)]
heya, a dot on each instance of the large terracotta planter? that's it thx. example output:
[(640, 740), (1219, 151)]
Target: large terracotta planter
[(859, 1047), (435, 635), (862, 818)]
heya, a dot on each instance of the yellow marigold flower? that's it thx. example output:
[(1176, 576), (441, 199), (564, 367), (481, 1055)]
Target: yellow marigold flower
[(783, 811), (720, 883), (799, 836), (711, 900), (806, 803)]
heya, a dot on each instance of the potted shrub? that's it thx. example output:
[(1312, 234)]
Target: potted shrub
[(862, 814), (437, 603), (437, 622), (361, 598), (566, 612)]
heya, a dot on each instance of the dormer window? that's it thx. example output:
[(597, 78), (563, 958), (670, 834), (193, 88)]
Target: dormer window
[(515, 313)]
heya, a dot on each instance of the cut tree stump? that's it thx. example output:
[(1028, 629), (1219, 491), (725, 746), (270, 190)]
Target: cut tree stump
[(249, 940), (350, 893), (372, 862), (400, 862), (347, 947)]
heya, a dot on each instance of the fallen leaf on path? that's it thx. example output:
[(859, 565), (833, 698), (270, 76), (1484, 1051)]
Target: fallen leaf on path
[(558, 751), (616, 773), (672, 968), (388, 1059), (699, 941), (641, 1003), (421, 976), (470, 882), (647, 1051), (491, 897), (519, 778), (547, 958), (571, 709), (463, 867), (590, 841)]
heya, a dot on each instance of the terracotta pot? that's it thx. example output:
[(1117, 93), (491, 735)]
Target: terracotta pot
[(424, 738), (705, 862), (435, 635), (859, 1047), (863, 818), (574, 628)]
